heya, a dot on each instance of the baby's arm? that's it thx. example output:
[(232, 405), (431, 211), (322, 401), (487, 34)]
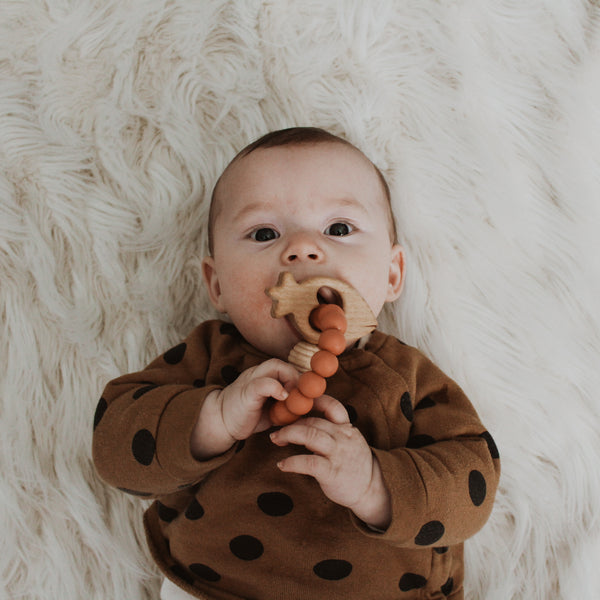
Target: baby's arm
[(443, 479), (436, 488), (237, 411), (145, 422)]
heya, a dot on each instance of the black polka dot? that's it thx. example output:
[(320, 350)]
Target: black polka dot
[(477, 487), (143, 447), (275, 504), (332, 569), (182, 573), (419, 441), (100, 410), (175, 355), (406, 407), (143, 390), (229, 329), (194, 511), (448, 587), (204, 572), (199, 383), (352, 414), (246, 547), (165, 513), (430, 533), (441, 550), (426, 402), (411, 581), (491, 444), (229, 374), (134, 493)]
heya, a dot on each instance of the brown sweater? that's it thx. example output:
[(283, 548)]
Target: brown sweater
[(236, 527)]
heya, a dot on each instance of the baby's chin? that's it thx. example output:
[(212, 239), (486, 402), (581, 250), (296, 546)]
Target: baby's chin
[(277, 344), (275, 350)]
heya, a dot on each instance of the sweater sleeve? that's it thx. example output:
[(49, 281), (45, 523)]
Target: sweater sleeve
[(144, 421), (443, 476)]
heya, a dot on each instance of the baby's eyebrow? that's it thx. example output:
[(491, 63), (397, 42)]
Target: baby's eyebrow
[(351, 203), (347, 202), (253, 207), (267, 207)]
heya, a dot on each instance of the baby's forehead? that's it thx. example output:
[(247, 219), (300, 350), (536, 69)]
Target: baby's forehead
[(254, 166)]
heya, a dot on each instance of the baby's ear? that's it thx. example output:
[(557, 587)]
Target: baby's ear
[(209, 273), (396, 274)]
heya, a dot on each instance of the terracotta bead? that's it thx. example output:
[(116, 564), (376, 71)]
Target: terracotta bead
[(281, 415), (333, 341), (324, 363), (312, 385), (328, 316), (297, 403)]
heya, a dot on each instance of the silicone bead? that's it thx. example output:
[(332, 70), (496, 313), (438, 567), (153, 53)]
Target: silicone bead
[(329, 316), (333, 341), (312, 385), (281, 415), (298, 404), (324, 363)]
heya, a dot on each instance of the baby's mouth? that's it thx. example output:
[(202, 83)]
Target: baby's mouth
[(328, 295), (294, 298), (325, 295)]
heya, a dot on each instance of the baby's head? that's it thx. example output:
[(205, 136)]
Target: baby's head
[(295, 136), (305, 201)]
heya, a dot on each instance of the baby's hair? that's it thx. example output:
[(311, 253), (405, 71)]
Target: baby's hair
[(296, 136)]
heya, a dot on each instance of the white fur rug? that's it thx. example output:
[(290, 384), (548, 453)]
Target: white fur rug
[(115, 119)]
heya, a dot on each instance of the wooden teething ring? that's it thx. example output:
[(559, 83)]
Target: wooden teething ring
[(327, 329)]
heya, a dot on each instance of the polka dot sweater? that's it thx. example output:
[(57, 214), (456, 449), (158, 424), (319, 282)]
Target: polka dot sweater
[(236, 527)]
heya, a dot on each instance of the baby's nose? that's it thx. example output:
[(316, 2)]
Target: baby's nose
[(302, 248)]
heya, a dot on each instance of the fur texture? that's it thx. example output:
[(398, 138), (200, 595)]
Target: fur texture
[(115, 119)]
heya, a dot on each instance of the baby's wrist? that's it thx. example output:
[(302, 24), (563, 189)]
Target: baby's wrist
[(375, 507), (210, 436)]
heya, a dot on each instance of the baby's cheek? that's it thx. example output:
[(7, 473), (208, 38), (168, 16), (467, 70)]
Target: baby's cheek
[(244, 294), (252, 317), (373, 288)]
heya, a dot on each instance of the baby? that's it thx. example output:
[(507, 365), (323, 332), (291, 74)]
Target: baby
[(372, 494)]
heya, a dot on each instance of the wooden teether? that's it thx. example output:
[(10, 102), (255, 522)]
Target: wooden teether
[(299, 299), (327, 329)]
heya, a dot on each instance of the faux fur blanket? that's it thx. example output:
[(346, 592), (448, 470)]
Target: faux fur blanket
[(116, 116)]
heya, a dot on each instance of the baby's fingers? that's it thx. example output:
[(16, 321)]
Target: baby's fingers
[(333, 410), (317, 435), (306, 464), (265, 387), (277, 369), (273, 378)]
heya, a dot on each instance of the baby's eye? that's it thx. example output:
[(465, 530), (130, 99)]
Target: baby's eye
[(264, 234), (339, 229)]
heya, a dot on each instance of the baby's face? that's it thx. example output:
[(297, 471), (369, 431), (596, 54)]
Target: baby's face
[(313, 210)]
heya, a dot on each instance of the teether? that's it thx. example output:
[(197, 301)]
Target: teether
[(326, 327)]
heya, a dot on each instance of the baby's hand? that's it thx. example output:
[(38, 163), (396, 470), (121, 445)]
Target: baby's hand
[(237, 411), (342, 462)]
